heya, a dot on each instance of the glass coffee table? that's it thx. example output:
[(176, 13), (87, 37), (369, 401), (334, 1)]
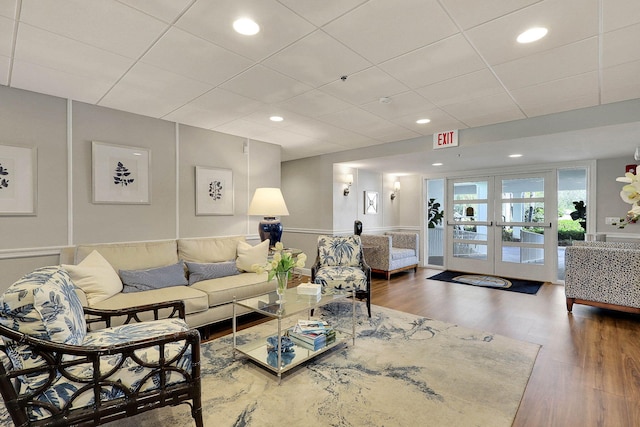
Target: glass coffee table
[(295, 304)]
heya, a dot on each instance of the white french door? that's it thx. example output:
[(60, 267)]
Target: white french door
[(503, 225)]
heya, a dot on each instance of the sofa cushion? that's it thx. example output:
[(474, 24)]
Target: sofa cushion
[(214, 270), (400, 253), (96, 277), (249, 255), (343, 277), (194, 300), (153, 278), (223, 290), (215, 249), (133, 255)]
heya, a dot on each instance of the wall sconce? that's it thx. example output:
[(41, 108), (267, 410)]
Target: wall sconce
[(348, 181), (396, 189)]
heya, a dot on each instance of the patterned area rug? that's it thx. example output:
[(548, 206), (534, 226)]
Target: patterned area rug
[(515, 285), (404, 370)]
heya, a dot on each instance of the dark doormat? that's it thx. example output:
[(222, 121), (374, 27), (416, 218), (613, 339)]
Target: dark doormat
[(514, 285)]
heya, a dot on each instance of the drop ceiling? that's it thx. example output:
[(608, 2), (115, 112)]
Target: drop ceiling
[(455, 62)]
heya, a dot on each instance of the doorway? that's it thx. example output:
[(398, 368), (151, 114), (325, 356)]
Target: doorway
[(502, 225)]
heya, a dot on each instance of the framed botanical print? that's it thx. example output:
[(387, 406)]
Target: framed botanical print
[(370, 202), (214, 191), (121, 174), (18, 178)]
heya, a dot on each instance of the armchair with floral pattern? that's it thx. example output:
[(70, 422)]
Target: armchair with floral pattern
[(54, 372), (340, 263)]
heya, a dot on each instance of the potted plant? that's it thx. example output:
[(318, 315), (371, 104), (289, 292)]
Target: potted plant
[(435, 214), (580, 214)]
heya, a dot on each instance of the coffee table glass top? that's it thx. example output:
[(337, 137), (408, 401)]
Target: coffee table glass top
[(294, 303)]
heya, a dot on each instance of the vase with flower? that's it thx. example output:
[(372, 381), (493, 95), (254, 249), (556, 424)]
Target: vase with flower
[(630, 194), (281, 267)]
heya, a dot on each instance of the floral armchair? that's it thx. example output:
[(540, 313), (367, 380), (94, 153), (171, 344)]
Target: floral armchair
[(340, 263), (54, 372)]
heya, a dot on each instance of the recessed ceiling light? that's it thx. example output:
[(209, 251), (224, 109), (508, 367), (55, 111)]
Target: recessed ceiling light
[(276, 118), (246, 26), (436, 164), (423, 121), (515, 155), (532, 35)]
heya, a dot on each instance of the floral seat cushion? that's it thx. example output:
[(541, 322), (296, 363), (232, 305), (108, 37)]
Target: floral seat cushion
[(339, 251), (342, 278)]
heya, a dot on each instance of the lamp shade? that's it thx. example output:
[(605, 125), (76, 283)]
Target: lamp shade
[(268, 202)]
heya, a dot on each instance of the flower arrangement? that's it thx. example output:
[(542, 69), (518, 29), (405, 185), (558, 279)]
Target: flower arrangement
[(630, 194), (282, 262)]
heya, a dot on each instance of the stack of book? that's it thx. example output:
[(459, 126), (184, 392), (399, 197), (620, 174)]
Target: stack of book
[(312, 334)]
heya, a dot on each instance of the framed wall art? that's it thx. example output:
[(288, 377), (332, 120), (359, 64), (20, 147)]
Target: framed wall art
[(370, 202), (214, 191), (121, 174), (18, 178)]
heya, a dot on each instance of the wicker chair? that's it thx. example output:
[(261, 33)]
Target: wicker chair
[(54, 372), (340, 263)]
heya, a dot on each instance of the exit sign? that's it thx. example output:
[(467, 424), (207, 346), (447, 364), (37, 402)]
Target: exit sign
[(445, 139)]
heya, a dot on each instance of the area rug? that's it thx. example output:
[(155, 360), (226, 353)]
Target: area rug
[(403, 370), (530, 287)]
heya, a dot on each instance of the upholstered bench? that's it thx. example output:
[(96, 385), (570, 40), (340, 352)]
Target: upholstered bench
[(391, 252)]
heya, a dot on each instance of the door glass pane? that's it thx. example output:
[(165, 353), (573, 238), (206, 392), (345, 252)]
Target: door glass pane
[(435, 220), (523, 188), (523, 234), (519, 255), (572, 210), (465, 250), (470, 190), (523, 212)]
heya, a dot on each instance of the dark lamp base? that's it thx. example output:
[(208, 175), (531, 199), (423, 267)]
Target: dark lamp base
[(270, 228)]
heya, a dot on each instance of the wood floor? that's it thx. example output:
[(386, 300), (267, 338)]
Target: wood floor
[(588, 370)]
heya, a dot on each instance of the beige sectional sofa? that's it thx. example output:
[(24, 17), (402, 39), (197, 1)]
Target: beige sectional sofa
[(206, 301)]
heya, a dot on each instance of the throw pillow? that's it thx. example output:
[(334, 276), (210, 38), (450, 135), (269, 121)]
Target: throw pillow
[(153, 278), (96, 277), (204, 271), (249, 255)]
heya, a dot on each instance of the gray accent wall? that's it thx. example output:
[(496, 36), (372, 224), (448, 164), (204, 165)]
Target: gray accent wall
[(41, 121)]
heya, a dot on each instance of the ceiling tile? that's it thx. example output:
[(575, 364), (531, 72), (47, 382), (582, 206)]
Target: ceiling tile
[(8, 8), (193, 57), (621, 46), (245, 128), (319, 13), (380, 30), (401, 105), (166, 10), (105, 24), (620, 13), (359, 121), (213, 21), (317, 59), (266, 85), (473, 85), (395, 133), (49, 50), (440, 121), (620, 83), (36, 78), (439, 61), (559, 95), (471, 13), (496, 40), (365, 86), (314, 103), (550, 65), (151, 91), (215, 108), (6, 36), (487, 110)]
